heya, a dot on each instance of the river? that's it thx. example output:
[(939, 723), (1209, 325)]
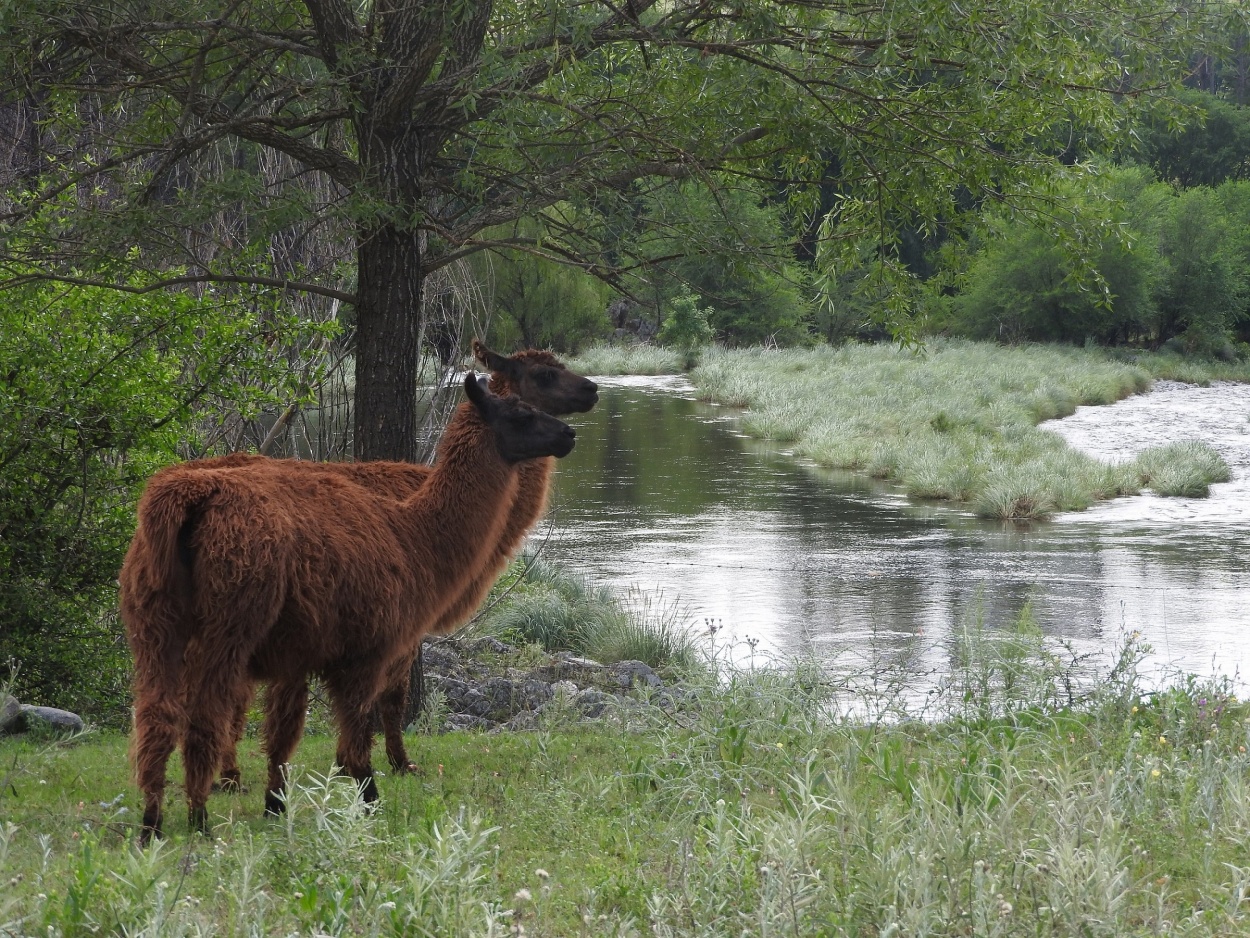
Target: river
[(666, 497)]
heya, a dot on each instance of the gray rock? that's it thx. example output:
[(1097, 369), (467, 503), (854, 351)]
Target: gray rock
[(591, 702), (10, 711), (462, 697), (492, 645), (565, 666), (508, 697), (565, 688), (52, 718), (439, 657), (628, 673), (464, 721), (525, 720)]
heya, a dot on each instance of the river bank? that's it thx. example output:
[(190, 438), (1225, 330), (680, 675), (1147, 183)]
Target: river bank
[(1018, 805), (951, 420)]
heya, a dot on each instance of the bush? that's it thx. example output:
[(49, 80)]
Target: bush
[(98, 389), (1027, 285), (686, 327)]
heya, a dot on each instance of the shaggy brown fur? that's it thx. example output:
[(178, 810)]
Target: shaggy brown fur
[(538, 378), (261, 573)]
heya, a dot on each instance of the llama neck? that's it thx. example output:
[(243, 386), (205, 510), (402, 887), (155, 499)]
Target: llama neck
[(462, 506), (533, 484), (534, 480)]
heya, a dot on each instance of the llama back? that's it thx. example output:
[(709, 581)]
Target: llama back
[(395, 480)]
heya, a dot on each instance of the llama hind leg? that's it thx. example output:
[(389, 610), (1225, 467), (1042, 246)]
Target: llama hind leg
[(213, 699), (230, 778), (155, 736), (355, 746), (159, 721), (286, 703)]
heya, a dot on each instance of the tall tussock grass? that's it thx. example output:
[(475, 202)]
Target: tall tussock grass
[(627, 359), (951, 420), (1187, 468), (543, 604)]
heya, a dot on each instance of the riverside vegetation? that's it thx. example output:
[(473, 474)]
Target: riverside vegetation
[(951, 419), (1032, 793)]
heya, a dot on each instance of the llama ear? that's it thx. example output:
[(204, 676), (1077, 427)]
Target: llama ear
[(491, 361), (475, 386)]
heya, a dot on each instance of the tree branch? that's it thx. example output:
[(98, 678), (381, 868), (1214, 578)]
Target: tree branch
[(279, 282)]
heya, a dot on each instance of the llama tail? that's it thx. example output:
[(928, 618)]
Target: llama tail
[(155, 585)]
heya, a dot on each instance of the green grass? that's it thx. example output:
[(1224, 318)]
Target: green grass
[(1027, 797), (957, 420)]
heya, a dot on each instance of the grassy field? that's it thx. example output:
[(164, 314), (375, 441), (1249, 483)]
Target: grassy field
[(1012, 803), (958, 420)]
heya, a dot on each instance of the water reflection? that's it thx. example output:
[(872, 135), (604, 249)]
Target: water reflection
[(663, 493)]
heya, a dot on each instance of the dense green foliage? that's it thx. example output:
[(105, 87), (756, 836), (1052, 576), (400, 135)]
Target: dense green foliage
[(1155, 265), (686, 326), (98, 389), (732, 249), (1212, 147), (1028, 795)]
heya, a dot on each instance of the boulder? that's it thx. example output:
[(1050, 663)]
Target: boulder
[(462, 697), (492, 645), (568, 667), (10, 712), (440, 657), (509, 697), (51, 718)]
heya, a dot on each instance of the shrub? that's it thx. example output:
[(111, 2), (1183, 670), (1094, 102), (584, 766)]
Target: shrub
[(686, 326), (97, 390), (560, 611)]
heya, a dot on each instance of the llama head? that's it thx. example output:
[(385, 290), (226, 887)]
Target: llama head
[(540, 379), (521, 431)]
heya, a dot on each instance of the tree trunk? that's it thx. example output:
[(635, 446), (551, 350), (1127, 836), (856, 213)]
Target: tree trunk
[(388, 326)]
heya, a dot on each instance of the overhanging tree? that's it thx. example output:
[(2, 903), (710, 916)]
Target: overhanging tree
[(412, 134)]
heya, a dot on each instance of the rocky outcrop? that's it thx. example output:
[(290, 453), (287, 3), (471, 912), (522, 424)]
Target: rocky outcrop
[(487, 684)]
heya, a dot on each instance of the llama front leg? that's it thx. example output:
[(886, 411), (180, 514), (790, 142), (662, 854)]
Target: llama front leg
[(352, 695), (286, 706), (392, 707)]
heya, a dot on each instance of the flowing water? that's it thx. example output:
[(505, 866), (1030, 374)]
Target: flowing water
[(665, 494)]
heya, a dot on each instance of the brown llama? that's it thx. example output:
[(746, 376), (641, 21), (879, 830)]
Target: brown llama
[(539, 379), (265, 574)]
